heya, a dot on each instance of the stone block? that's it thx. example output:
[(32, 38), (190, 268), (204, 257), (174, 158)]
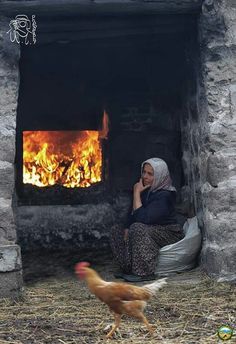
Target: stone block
[(219, 261), (8, 90), (221, 228), (221, 198), (7, 147), (230, 22), (233, 97), (7, 225), (9, 76), (219, 108), (221, 65), (11, 284), (10, 258), (220, 166), (222, 131), (8, 123), (7, 134), (7, 180)]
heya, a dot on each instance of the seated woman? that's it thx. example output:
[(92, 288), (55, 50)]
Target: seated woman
[(152, 224)]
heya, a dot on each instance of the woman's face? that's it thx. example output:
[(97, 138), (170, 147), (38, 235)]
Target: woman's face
[(147, 175)]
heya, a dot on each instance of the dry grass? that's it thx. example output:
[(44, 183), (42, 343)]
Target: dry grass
[(59, 309)]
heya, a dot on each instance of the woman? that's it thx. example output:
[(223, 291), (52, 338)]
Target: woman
[(152, 223)]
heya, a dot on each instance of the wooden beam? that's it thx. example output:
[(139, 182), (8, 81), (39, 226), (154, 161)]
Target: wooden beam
[(79, 29), (52, 8)]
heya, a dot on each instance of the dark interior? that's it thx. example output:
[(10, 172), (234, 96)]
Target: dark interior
[(136, 71)]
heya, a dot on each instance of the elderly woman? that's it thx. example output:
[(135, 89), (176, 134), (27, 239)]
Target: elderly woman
[(152, 224)]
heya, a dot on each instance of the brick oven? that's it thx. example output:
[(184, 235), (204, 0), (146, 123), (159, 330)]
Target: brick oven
[(106, 86)]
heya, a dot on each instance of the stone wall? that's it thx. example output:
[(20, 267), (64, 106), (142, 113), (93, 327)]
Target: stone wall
[(70, 227), (10, 258), (217, 34)]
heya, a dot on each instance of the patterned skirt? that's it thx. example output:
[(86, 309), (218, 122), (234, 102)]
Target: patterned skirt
[(138, 253)]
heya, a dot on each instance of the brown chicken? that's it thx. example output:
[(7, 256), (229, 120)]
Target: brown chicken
[(121, 298)]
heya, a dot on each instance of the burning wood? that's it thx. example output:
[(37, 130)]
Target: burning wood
[(68, 158)]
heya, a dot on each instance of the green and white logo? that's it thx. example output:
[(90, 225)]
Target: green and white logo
[(225, 332)]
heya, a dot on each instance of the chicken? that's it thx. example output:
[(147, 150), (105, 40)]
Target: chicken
[(121, 298)]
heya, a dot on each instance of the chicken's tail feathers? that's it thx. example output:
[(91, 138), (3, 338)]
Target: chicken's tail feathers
[(155, 286)]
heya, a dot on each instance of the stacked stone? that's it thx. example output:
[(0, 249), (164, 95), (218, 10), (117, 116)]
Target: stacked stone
[(10, 258), (218, 54)]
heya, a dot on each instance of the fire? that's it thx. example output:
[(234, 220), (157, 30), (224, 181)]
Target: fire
[(68, 158)]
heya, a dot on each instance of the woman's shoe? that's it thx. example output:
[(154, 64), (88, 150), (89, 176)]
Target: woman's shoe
[(136, 278)]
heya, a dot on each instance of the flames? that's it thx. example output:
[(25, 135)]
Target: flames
[(68, 158)]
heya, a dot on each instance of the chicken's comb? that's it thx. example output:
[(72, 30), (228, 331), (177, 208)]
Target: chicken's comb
[(80, 266)]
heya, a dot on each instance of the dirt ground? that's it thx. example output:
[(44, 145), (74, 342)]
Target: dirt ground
[(57, 308)]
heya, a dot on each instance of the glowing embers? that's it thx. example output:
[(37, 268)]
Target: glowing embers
[(68, 158)]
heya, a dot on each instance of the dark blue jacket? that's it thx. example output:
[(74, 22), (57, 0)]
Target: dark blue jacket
[(158, 208)]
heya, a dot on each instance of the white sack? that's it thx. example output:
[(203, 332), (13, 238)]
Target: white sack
[(181, 255)]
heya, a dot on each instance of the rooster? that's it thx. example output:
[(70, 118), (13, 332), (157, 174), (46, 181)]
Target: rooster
[(121, 298)]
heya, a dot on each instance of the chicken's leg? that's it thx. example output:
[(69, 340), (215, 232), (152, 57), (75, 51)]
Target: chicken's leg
[(115, 325), (145, 321)]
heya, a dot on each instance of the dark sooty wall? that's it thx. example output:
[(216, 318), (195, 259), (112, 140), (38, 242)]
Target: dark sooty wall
[(138, 80)]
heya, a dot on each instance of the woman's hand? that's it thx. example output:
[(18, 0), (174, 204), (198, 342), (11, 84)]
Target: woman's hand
[(139, 187)]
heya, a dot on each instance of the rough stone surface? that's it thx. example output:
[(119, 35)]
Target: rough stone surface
[(7, 225), (10, 284), (7, 138), (217, 33), (221, 166), (6, 178), (219, 229), (220, 261), (208, 127), (10, 258), (7, 142), (9, 84), (221, 198)]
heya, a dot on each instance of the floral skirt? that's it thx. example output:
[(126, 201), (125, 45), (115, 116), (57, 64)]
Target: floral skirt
[(138, 253)]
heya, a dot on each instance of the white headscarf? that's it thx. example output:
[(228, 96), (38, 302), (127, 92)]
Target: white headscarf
[(162, 180)]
